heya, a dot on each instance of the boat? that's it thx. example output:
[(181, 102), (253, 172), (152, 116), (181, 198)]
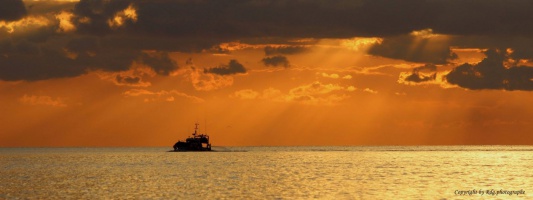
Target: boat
[(196, 142)]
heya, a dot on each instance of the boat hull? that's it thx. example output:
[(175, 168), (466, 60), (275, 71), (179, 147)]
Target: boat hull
[(190, 145), (191, 151)]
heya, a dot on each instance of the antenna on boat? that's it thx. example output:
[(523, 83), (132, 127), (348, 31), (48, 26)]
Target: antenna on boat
[(205, 126), (196, 128)]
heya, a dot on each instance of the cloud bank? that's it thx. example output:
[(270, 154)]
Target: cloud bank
[(233, 67), (497, 71), (54, 39), (275, 61)]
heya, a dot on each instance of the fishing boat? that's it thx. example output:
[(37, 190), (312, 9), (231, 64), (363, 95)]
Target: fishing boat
[(196, 142)]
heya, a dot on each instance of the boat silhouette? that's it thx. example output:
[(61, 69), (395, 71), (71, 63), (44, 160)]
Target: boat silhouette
[(196, 142)]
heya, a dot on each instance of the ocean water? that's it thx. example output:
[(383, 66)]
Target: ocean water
[(360, 172)]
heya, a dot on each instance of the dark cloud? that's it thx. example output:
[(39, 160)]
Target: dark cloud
[(522, 46), (24, 47), (423, 73), (160, 62), (137, 42), (107, 59), (241, 19), (482, 17), (199, 25), (38, 64), (233, 67), (47, 7), (127, 80), (285, 50), (25, 60), (413, 49), (84, 45), (230, 20), (248, 19), (496, 71), (314, 19), (275, 61), (11, 10), (196, 26)]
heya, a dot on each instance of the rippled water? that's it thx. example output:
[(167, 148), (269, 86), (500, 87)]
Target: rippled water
[(266, 173)]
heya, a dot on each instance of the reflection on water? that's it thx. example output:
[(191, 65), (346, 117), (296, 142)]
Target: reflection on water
[(266, 172)]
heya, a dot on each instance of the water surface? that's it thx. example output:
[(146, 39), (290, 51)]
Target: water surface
[(365, 172)]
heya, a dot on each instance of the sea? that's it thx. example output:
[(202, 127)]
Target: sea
[(321, 172)]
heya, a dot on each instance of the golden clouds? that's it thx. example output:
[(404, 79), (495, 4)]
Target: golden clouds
[(315, 93), (162, 95), (370, 91), (128, 14), (425, 75), (65, 23), (360, 44), (425, 34), (335, 76), (227, 47), (25, 24), (246, 94), (42, 100), (269, 93), (315, 88)]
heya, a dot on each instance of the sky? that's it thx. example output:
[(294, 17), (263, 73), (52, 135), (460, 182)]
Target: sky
[(266, 72)]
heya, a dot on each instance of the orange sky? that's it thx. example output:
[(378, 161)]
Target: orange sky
[(357, 90)]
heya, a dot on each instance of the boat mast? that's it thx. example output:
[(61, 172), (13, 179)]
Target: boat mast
[(196, 128)]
